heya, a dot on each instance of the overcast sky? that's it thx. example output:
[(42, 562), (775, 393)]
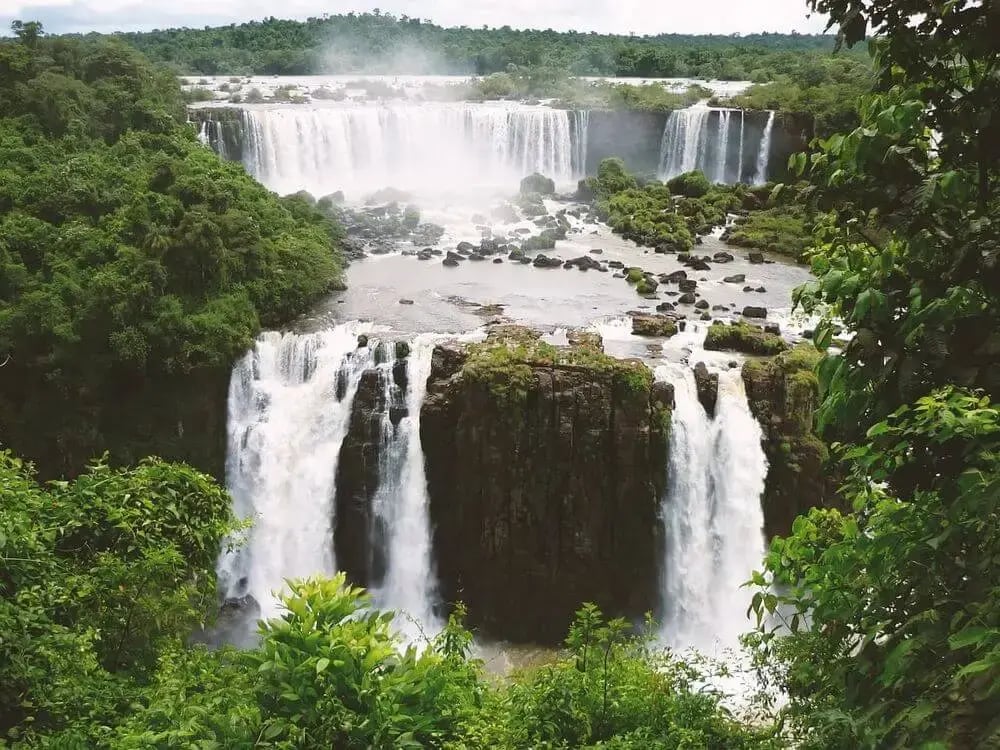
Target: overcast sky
[(617, 16)]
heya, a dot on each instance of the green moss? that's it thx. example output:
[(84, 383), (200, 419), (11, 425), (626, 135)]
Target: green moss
[(786, 230), (645, 286), (743, 337), (634, 275), (506, 363)]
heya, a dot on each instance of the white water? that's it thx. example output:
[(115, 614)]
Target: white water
[(402, 505), (285, 428), (700, 137), (431, 148), (764, 154), (712, 514)]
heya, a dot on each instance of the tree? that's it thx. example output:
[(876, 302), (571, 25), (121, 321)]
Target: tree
[(28, 33)]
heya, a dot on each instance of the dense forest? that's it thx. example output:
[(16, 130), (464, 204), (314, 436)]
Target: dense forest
[(132, 258), (133, 263), (357, 42)]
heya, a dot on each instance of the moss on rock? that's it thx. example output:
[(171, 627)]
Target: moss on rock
[(743, 337)]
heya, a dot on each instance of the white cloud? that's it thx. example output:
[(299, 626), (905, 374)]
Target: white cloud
[(615, 16)]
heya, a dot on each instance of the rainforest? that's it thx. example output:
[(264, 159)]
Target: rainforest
[(539, 390)]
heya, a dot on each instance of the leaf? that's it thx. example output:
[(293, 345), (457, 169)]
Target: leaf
[(322, 664), (969, 637)]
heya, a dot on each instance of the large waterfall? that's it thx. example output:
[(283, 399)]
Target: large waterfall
[(421, 147), (716, 142), (711, 513), (290, 406)]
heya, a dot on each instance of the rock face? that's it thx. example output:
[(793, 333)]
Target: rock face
[(707, 384), (545, 468), (783, 394)]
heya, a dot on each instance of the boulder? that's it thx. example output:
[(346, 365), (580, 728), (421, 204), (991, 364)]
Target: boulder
[(736, 279), (676, 277), (653, 325), (687, 299), (701, 304), (723, 258), (743, 337), (754, 312), (543, 261), (707, 384), (688, 285), (406, 302), (465, 248), (537, 184), (756, 258)]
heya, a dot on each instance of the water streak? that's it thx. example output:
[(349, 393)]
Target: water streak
[(764, 154)]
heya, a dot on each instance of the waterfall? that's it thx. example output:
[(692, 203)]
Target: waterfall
[(764, 154), (712, 513), (435, 146), (401, 505), (290, 402), (722, 139), (684, 144), (739, 165)]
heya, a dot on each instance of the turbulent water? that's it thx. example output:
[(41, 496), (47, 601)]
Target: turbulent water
[(290, 404), (711, 513), (714, 141), (431, 147)]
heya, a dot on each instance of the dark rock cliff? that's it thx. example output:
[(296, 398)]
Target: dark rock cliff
[(783, 394), (545, 470)]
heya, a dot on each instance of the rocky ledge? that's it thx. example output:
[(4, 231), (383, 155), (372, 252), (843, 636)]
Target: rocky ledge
[(783, 394), (545, 468)]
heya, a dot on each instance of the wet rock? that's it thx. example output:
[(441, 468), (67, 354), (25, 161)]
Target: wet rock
[(406, 302), (465, 248), (756, 258), (683, 257), (748, 289), (543, 261), (738, 278), (743, 337), (687, 299), (754, 312), (498, 260), (489, 247), (761, 290), (723, 258), (772, 328), (477, 256), (424, 255), (362, 341), (615, 264), (688, 285), (676, 277), (537, 184), (707, 384), (664, 307), (449, 262), (720, 308), (653, 325), (698, 265), (706, 317), (701, 304), (516, 254)]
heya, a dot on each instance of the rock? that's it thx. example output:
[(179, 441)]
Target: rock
[(676, 277), (707, 385), (516, 254), (537, 184), (743, 337), (476, 256), (706, 317), (449, 262), (756, 258), (683, 257), (701, 304), (772, 328), (585, 339), (406, 302), (760, 290), (465, 248), (543, 261), (664, 307), (615, 264), (489, 247), (754, 312), (653, 325), (646, 286), (423, 255), (454, 256), (698, 265), (558, 480), (723, 258), (720, 308), (687, 299), (362, 341), (498, 260), (783, 394), (736, 279), (688, 285), (597, 251), (402, 349)]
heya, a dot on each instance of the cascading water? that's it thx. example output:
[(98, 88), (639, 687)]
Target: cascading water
[(764, 153), (685, 139), (423, 147), (401, 506), (289, 408), (711, 513), (700, 137), (290, 404)]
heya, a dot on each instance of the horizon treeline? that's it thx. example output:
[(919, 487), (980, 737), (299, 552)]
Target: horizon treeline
[(358, 42)]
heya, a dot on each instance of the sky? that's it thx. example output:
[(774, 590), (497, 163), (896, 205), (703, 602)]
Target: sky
[(609, 16)]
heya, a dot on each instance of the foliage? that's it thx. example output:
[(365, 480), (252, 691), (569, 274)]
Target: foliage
[(784, 229), (129, 255), (690, 184), (96, 575), (893, 611), (379, 42)]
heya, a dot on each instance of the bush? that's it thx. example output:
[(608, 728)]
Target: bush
[(691, 184), (537, 184)]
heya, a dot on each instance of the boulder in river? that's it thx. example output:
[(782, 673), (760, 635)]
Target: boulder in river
[(687, 299), (654, 325), (738, 278), (707, 384), (752, 311), (756, 258)]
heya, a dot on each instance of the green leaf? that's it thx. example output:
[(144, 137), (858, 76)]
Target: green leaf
[(969, 637), (322, 664)]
